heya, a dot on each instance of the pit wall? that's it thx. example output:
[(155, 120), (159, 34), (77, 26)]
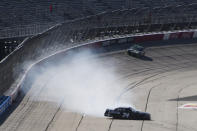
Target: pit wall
[(50, 45)]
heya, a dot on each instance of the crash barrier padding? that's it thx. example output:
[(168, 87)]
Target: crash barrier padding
[(5, 102), (180, 35), (53, 43), (154, 37)]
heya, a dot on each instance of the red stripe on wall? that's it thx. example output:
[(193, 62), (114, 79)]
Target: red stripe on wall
[(154, 37)]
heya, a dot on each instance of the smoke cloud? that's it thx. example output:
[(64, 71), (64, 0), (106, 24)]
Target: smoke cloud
[(81, 84)]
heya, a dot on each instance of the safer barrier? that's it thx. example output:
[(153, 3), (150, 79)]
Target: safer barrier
[(180, 35), (152, 37)]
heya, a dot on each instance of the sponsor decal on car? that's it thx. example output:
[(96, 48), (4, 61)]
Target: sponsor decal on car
[(189, 106)]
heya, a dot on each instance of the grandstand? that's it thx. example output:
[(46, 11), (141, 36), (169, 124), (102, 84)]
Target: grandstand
[(20, 19), (23, 12)]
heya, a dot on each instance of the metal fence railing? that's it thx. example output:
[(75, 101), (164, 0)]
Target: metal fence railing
[(88, 29), (119, 21), (24, 30)]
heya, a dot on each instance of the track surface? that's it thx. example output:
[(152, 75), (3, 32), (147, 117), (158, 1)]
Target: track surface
[(159, 86)]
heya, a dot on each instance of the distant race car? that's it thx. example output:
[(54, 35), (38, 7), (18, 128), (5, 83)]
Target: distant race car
[(136, 50), (127, 113)]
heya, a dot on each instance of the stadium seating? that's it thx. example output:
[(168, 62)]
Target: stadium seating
[(23, 18), (17, 13)]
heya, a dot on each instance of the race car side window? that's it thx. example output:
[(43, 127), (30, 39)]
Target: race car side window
[(117, 109), (132, 110)]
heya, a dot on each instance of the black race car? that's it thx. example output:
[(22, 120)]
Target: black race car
[(136, 50), (127, 113)]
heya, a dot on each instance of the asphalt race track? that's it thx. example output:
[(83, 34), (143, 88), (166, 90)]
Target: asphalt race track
[(160, 83)]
